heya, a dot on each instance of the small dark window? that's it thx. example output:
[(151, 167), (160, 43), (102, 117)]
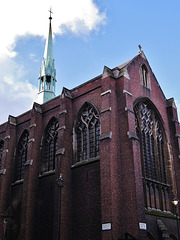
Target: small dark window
[(87, 133), (50, 145), (21, 156), (48, 78), (1, 152)]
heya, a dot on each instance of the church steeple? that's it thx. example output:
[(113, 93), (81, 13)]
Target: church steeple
[(47, 76)]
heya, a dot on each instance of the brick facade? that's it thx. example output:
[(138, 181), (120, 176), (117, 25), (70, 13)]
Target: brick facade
[(104, 192)]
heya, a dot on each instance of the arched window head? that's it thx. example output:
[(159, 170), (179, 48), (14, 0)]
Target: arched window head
[(1, 151), (21, 155), (87, 133), (144, 76), (50, 145), (154, 155)]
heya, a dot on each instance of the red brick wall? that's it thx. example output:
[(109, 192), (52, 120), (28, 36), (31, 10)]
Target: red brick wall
[(111, 186)]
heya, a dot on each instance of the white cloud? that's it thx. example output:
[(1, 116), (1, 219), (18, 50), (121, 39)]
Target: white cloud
[(33, 57), (19, 18), (16, 95)]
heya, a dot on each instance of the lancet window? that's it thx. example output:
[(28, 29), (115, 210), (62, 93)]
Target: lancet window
[(144, 76), (154, 157), (50, 145), (21, 155), (1, 152), (87, 133)]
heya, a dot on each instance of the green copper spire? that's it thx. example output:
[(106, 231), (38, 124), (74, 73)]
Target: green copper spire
[(47, 76)]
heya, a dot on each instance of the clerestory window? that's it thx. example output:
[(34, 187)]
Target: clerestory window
[(21, 155), (87, 133), (50, 145), (154, 154)]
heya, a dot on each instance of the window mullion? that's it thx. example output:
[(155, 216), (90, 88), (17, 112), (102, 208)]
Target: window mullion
[(94, 139), (154, 165), (156, 148), (163, 161), (88, 142), (20, 172), (142, 137), (148, 156), (82, 143), (151, 159), (48, 160), (54, 152), (145, 154)]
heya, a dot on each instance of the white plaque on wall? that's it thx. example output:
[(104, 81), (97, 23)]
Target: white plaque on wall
[(142, 226), (106, 226)]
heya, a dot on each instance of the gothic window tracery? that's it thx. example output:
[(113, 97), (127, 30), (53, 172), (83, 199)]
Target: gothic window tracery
[(1, 152), (50, 145), (21, 155), (154, 164), (87, 133)]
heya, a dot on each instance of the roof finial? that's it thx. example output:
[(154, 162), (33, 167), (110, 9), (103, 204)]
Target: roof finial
[(140, 48), (50, 14)]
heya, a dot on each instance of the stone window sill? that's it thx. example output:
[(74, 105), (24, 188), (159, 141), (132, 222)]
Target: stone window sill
[(17, 182), (46, 173), (85, 162), (158, 212)]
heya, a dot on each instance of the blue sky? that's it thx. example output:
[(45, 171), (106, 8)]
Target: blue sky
[(87, 36)]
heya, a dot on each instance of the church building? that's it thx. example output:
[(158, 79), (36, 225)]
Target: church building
[(100, 161)]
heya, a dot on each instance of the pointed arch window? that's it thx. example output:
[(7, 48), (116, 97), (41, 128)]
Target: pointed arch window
[(21, 155), (1, 152), (154, 154), (87, 133), (50, 145)]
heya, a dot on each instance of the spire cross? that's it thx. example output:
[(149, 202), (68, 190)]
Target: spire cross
[(50, 14)]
